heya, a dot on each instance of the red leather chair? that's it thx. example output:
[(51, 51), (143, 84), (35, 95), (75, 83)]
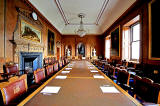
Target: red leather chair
[(60, 64), (56, 66), (49, 70), (39, 75), (12, 70), (13, 91)]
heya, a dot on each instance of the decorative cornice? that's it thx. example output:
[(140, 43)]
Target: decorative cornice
[(59, 6)]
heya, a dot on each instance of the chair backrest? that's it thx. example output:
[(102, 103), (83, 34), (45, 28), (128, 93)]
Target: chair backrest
[(155, 93), (143, 89), (123, 77), (55, 66), (49, 70), (39, 75), (11, 69), (60, 64), (63, 62), (106, 67), (16, 87), (46, 61), (111, 71)]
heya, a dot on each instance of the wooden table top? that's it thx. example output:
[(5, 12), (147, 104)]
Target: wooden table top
[(80, 88)]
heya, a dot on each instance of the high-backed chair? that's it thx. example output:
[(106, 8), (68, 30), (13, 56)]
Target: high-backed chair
[(123, 79), (13, 92), (149, 92), (45, 62), (12, 70), (60, 64), (106, 68), (49, 70), (143, 89), (55, 66), (39, 75), (111, 73)]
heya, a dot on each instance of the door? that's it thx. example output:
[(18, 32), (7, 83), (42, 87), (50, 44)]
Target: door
[(58, 53)]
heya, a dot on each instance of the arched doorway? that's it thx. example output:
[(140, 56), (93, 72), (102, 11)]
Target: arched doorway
[(81, 49)]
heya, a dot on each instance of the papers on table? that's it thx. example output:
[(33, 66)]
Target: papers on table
[(91, 67), (93, 71), (68, 68), (61, 77), (109, 89), (98, 76), (70, 65), (50, 89), (65, 72)]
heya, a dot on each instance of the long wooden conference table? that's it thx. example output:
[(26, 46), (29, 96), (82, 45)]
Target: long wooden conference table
[(79, 84)]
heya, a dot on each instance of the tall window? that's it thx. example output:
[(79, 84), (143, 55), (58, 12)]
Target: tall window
[(126, 44), (135, 41), (131, 40), (107, 47)]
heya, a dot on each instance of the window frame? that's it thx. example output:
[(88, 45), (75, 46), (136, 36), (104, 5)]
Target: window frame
[(131, 40)]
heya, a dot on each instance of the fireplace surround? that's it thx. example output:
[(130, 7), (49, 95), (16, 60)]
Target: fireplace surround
[(30, 60)]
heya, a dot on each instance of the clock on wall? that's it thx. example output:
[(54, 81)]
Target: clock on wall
[(34, 16)]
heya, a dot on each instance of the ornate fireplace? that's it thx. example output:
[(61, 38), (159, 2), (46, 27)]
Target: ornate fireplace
[(30, 60), (28, 41)]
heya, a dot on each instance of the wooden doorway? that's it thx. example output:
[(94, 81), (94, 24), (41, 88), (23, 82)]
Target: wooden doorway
[(58, 53)]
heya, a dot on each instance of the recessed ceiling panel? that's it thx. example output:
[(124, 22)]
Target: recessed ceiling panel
[(100, 14)]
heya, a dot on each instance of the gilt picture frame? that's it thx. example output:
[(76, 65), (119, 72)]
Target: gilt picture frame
[(154, 36), (51, 43), (30, 32), (115, 42)]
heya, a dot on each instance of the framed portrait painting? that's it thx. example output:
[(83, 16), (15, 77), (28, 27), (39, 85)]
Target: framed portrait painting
[(30, 32), (115, 36), (51, 42), (154, 34)]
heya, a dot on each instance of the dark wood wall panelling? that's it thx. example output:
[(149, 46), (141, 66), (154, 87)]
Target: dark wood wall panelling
[(140, 7)]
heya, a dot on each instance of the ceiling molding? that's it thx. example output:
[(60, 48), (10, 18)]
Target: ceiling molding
[(61, 12), (59, 6), (83, 24), (28, 3), (102, 11)]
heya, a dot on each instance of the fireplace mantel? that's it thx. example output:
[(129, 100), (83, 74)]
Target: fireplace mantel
[(21, 44)]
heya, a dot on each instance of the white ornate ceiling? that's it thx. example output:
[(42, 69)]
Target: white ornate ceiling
[(100, 14)]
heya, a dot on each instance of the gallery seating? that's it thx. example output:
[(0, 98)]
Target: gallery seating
[(14, 91)]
